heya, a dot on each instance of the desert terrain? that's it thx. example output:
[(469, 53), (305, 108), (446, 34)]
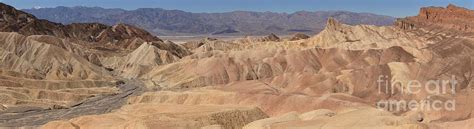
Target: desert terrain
[(96, 76)]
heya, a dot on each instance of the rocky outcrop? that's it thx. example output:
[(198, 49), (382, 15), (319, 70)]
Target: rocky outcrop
[(299, 36), (2, 108), (269, 38), (451, 18), (167, 116)]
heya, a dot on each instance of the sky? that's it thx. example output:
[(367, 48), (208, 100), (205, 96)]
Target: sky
[(396, 8)]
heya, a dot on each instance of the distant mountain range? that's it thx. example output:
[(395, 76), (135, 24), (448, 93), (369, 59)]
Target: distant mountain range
[(175, 22)]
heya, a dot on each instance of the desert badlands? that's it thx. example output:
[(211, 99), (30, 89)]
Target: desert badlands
[(415, 74)]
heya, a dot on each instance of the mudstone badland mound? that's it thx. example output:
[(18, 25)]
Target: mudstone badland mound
[(52, 76)]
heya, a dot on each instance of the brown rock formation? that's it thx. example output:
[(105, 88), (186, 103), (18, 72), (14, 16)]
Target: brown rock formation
[(2, 108), (271, 37), (299, 36), (451, 18)]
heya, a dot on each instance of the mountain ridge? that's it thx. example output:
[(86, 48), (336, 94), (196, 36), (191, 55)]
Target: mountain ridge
[(117, 35), (176, 22)]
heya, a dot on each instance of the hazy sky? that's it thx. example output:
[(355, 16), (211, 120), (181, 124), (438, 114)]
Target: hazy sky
[(398, 8)]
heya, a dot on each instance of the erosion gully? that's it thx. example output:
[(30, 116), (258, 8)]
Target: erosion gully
[(35, 117)]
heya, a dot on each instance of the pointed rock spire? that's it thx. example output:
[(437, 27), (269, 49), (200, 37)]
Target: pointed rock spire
[(332, 24)]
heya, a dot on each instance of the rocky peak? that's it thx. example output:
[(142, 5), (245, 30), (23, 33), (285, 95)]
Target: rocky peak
[(13, 20), (450, 11), (333, 24), (452, 17), (10, 14)]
